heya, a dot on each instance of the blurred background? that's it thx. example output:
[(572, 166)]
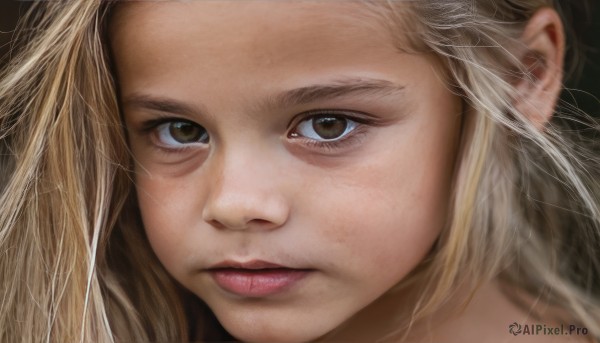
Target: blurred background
[(583, 85)]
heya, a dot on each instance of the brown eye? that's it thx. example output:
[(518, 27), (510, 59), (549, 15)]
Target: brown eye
[(329, 127), (178, 133), (325, 127)]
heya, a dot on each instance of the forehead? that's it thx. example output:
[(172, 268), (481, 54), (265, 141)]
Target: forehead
[(264, 28), (226, 16), (184, 46)]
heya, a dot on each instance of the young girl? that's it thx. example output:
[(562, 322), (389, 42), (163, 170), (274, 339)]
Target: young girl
[(296, 171)]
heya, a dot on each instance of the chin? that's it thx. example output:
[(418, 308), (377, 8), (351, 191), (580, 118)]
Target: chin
[(271, 332), (262, 336)]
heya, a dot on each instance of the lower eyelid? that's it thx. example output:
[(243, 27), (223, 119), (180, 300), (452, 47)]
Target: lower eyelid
[(174, 155), (155, 143), (179, 149), (155, 132), (354, 137)]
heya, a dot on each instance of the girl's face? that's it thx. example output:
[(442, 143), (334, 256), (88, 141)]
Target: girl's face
[(292, 164)]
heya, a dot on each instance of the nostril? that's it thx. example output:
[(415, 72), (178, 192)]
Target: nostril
[(216, 224), (259, 222), (246, 224)]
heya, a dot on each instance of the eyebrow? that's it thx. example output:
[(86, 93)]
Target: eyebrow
[(160, 104), (294, 97), (336, 89)]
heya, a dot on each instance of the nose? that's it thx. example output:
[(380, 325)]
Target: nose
[(245, 194)]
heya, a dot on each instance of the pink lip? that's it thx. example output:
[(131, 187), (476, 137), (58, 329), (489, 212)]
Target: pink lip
[(255, 278)]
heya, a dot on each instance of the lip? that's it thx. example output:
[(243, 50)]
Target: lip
[(255, 279)]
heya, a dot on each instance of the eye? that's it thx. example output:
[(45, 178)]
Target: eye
[(325, 128), (176, 134)]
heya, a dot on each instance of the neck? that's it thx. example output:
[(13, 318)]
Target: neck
[(465, 317)]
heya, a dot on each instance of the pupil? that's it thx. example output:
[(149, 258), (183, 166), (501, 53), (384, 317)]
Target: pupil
[(329, 127), (186, 132)]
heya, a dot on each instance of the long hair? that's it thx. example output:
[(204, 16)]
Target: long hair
[(526, 205), (64, 184), (76, 265)]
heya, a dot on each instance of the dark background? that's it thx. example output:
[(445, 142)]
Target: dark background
[(583, 85)]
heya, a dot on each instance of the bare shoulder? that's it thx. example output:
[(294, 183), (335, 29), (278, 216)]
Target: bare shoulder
[(536, 322), (492, 317)]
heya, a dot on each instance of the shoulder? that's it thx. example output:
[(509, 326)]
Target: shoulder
[(492, 317)]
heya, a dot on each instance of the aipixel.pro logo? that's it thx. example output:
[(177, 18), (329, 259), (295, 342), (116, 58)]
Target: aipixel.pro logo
[(516, 329)]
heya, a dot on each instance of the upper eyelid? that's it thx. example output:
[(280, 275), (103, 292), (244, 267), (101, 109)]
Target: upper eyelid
[(152, 124), (357, 116)]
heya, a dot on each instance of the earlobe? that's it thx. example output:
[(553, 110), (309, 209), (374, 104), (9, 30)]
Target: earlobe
[(539, 87)]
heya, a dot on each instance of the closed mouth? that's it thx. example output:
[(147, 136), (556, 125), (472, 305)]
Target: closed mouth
[(255, 278)]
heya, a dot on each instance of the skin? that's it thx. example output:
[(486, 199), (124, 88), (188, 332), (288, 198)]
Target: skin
[(361, 214)]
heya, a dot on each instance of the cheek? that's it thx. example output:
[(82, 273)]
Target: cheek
[(377, 230), (389, 212), (165, 209)]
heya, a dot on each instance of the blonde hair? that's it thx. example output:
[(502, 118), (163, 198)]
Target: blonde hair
[(75, 261), (526, 200), (65, 182)]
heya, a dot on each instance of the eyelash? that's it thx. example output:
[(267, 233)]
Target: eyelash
[(335, 144), (149, 128), (350, 139)]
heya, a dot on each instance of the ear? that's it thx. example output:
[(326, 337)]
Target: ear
[(538, 91)]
